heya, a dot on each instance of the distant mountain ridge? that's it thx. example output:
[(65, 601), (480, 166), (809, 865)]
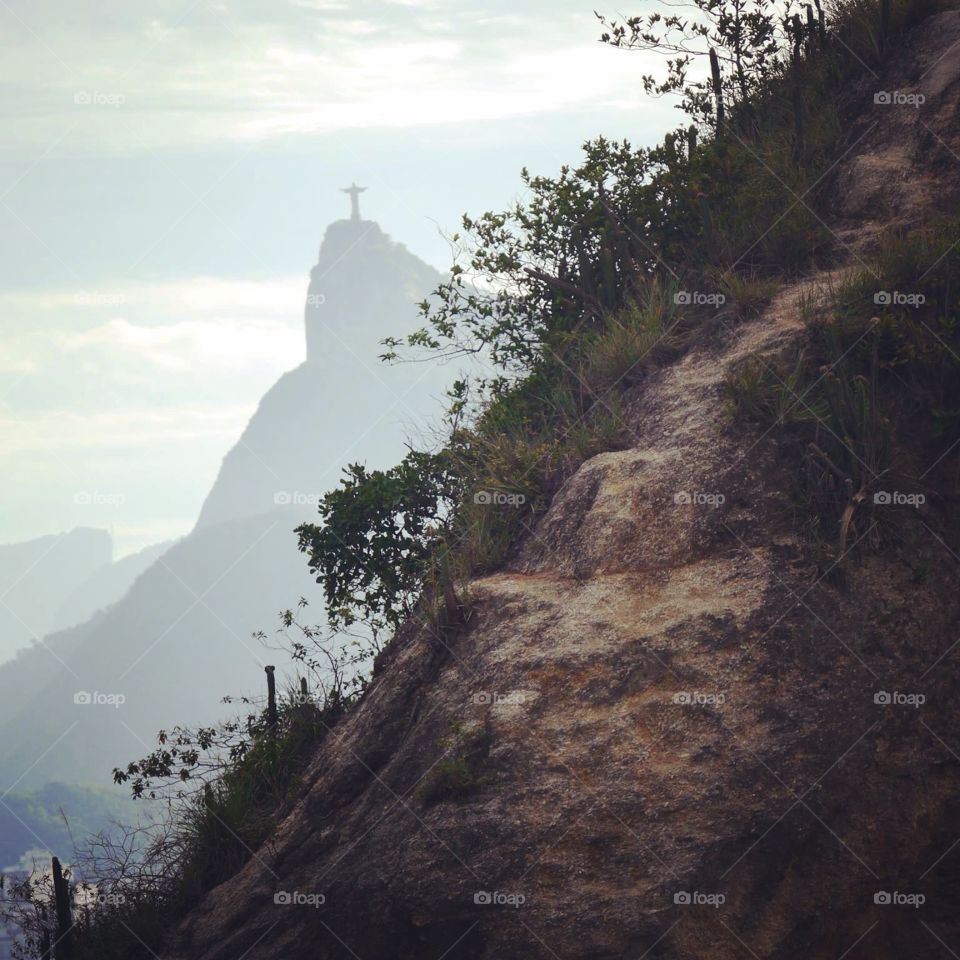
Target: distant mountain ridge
[(38, 575), (360, 277), (105, 586), (181, 637)]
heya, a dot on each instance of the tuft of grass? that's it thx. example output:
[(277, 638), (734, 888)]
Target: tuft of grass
[(872, 404), (747, 293), (457, 775), (535, 433), (236, 813), (857, 25), (774, 392), (633, 338)]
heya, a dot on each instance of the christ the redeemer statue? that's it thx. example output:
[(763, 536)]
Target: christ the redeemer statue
[(354, 192)]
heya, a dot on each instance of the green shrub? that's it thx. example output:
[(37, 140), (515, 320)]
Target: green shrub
[(379, 530)]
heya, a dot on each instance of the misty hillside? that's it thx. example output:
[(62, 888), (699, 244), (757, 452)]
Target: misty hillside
[(37, 577), (180, 638), (57, 812), (53, 583), (171, 648), (104, 586)]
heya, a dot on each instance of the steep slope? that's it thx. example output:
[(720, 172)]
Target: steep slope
[(684, 740), (37, 576), (105, 586), (317, 417)]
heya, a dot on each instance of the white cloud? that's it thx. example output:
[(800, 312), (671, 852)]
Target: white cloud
[(232, 345), (129, 427), (279, 296), (312, 66), (207, 325)]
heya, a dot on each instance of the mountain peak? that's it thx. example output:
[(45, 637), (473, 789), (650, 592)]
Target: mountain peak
[(364, 287), (360, 276)]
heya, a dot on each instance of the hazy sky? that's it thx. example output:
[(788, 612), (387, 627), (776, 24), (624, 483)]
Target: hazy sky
[(168, 171)]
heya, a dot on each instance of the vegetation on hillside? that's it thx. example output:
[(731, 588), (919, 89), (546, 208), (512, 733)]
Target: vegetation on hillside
[(567, 299), (52, 816), (211, 796), (871, 405), (614, 265)]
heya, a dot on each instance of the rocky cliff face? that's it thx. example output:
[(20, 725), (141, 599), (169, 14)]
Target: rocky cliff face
[(360, 277), (685, 739), (343, 405)]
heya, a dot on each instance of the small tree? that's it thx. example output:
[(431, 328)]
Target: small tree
[(743, 36), (379, 530)]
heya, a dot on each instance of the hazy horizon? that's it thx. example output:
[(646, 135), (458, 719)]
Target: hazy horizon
[(166, 185)]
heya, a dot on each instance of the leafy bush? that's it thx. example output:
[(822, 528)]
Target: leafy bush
[(744, 35), (379, 532)]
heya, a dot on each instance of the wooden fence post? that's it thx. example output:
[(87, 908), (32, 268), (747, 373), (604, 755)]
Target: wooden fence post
[(717, 87), (812, 32), (61, 891), (821, 19), (271, 698)]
